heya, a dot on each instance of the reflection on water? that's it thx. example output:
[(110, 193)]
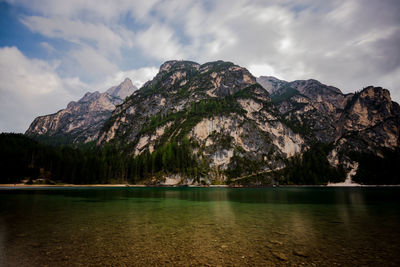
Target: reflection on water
[(200, 226)]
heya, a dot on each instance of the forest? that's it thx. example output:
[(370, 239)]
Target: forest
[(25, 159), (311, 168)]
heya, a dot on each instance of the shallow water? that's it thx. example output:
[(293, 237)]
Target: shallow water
[(200, 226)]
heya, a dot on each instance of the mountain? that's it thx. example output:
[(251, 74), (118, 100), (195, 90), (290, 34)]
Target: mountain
[(217, 123), (218, 107), (81, 121), (270, 83), (370, 122), (324, 113), (126, 88), (361, 127)]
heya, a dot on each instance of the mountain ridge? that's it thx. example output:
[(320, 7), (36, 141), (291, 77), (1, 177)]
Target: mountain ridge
[(82, 119), (216, 122)]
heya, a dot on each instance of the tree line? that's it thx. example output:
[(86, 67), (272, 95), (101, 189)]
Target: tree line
[(22, 158)]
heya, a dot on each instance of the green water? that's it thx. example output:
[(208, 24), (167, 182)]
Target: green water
[(200, 226)]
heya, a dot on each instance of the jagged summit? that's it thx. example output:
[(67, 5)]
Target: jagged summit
[(373, 118), (219, 78), (376, 93), (271, 84), (178, 64), (228, 123), (126, 88), (81, 121), (218, 106)]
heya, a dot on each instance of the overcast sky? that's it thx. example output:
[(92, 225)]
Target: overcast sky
[(52, 52)]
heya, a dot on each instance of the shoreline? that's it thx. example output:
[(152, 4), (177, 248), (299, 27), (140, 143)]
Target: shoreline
[(20, 186), (67, 185)]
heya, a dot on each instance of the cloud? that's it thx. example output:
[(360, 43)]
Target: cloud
[(31, 87), (158, 42), (345, 43), (261, 69), (100, 10), (28, 88), (138, 77), (48, 47), (105, 39), (92, 64)]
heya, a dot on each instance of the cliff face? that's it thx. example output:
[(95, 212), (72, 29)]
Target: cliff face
[(370, 122), (310, 108), (231, 124), (219, 107), (366, 122), (325, 114), (81, 121)]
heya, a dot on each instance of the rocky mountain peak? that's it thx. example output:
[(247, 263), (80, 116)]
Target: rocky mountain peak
[(376, 94), (271, 84), (227, 122), (226, 78), (81, 120), (313, 88), (217, 106), (215, 79), (369, 107), (126, 88), (178, 64), (89, 96)]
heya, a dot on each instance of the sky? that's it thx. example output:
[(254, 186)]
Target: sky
[(52, 52)]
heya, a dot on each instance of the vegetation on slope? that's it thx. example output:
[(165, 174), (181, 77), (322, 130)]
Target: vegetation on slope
[(373, 169), (311, 168), (22, 158)]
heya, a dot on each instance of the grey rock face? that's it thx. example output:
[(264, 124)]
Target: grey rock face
[(311, 108), (370, 122), (271, 84), (123, 90), (367, 121), (218, 105), (81, 121), (230, 117)]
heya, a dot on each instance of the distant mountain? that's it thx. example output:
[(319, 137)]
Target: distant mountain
[(126, 88), (81, 121), (217, 123)]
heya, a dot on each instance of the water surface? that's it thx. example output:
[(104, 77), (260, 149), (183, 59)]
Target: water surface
[(200, 226)]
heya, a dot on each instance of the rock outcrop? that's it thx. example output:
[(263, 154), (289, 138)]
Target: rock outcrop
[(370, 122), (310, 108), (367, 121), (218, 106), (229, 124), (81, 121)]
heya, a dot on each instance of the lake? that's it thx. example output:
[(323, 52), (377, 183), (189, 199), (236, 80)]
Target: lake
[(200, 226)]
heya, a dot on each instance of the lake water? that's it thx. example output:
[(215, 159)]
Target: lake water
[(200, 226)]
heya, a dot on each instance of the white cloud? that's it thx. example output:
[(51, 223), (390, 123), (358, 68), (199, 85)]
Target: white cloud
[(100, 10), (345, 43), (89, 63), (29, 88), (159, 42), (49, 48), (106, 40), (262, 69)]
